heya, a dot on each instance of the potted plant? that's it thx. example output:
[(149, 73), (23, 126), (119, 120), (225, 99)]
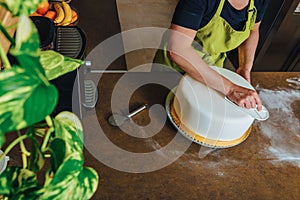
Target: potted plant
[(27, 99)]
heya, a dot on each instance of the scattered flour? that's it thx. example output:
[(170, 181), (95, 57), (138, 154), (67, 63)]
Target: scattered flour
[(204, 151), (220, 173), (283, 127)]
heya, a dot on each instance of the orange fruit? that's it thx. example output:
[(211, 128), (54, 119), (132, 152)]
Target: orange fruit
[(50, 14), (35, 14), (43, 7), (74, 16)]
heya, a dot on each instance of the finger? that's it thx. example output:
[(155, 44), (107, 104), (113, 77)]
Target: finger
[(249, 99), (242, 101), (257, 101), (248, 103), (252, 101)]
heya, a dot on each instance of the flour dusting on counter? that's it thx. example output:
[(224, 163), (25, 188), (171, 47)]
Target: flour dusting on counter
[(283, 127)]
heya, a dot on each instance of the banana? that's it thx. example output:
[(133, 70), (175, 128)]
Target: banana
[(60, 13), (68, 14)]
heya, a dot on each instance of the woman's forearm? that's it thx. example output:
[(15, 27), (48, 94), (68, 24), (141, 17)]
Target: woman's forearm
[(180, 50), (247, 49), (189, 60)]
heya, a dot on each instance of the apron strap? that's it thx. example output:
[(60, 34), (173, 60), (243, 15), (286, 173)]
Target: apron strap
[(220, 8), (252, 15)]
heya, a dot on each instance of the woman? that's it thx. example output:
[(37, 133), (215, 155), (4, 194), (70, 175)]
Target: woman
[(201, 33)]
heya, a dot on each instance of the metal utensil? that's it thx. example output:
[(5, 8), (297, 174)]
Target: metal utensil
[(294, 82), (90, 94), (118, 120)]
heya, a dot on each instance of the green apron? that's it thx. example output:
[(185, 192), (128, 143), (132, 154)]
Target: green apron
[(213, 40)]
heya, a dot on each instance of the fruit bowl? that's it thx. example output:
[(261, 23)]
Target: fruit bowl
[(59, 11)]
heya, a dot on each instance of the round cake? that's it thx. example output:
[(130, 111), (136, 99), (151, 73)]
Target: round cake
[(206, 117)]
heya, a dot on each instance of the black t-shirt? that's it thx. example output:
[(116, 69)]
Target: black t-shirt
[(195, 14)]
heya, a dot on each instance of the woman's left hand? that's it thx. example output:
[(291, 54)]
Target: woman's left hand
[(244, 73)]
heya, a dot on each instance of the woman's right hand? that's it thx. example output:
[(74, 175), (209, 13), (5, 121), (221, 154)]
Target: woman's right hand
[(244, 97)]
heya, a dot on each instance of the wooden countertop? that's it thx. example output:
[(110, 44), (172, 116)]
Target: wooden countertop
[(6, 20), (144, 163)]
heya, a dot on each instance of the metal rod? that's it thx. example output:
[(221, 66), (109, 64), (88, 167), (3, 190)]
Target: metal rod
[(136, 111), (107, 71)]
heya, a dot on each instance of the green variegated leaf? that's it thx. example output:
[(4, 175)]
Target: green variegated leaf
[(18, 7), (57, 148), (71, 181), (16, 182), (60, 185), (68, 126), (79, 187), (33, 67), (41, 103), (70, 63), (71, 166), (87, 184), (27, 49), (23, 100), (36, 160), (51, 62), (27, 38), (56, 65)]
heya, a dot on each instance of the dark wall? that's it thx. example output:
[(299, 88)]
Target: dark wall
[(278, 49), (279, 39)]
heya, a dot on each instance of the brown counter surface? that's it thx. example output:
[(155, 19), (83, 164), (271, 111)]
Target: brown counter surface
[(265, 166)]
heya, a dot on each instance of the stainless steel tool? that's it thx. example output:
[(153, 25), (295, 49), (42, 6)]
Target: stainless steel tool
[(294, 82), (90, 94), (90, 97), (118, 120)]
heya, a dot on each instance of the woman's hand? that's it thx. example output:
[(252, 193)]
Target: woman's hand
[(244, 73), (244, 97)]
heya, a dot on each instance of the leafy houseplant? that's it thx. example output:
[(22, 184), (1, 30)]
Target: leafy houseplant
[(27, 99)]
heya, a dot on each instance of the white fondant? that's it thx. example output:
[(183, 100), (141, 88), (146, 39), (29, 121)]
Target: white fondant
[(206, 112)]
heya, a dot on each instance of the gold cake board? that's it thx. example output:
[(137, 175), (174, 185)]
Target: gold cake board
[(196, 137)]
